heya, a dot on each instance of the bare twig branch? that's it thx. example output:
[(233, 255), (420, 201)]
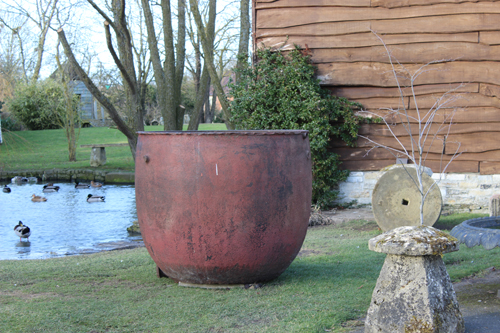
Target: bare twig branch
[(117, 61), (421, 141)]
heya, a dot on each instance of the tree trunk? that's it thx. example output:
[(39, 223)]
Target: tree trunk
[(168, 77), (44, 25), (125, 62), (209, 60), (244, 36), (202, 93), (209, 116), (70, 116), (200, 101), (206, 108), (181, 56), (198, 70), (113, 113)]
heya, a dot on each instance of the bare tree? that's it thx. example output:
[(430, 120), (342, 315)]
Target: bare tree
[(124, 60), (244, 35), (422, 126), (202, 93), (168, 77), (143, 60), (209, 59), (70, 117), (42, 18), (11, 70), (222, 38), (15, 57), (223, 61)]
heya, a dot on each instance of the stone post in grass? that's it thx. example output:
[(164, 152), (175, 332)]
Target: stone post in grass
[(414, 292), (495, 205)]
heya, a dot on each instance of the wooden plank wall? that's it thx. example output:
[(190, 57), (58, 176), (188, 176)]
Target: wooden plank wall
[(459, 40)]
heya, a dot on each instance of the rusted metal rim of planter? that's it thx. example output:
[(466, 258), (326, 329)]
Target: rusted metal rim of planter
[(304, 133), (477, 232)]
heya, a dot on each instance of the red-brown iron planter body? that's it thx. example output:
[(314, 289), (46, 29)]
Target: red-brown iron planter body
[(223, 207)]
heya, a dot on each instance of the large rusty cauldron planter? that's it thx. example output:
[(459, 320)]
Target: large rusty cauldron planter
[(223, 207)]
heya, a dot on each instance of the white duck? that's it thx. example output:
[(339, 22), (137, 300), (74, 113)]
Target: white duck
[(23, 231), (19, 179), (95, 198)]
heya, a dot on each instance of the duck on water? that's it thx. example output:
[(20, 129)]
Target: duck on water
[(50, 188), (37, 198), (22, 231), (95, 198)]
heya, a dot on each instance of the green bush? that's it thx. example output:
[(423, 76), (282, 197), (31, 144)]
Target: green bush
[(38, 105), (281, 92), (10, 124)]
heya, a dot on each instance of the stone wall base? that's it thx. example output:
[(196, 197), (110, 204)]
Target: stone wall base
[(465, 192)]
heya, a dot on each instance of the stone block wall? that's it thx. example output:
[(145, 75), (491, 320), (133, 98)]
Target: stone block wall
[(110, 177), (461, 192)]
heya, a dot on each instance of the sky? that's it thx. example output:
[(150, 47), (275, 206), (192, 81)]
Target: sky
[(86, 26)]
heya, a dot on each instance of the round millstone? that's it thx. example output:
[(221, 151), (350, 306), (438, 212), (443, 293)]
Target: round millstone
[(396, 199)]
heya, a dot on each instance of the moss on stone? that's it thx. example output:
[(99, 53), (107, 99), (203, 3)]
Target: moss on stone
[(417, 325), (423, 240), (120, 178), (134, 229)]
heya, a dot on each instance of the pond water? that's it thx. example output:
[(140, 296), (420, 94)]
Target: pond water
[(66, 224)]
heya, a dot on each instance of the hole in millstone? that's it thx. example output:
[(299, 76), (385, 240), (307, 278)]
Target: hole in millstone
[(405, 202)]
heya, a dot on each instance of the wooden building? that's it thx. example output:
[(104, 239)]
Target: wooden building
[(91, 112), (459, 40)]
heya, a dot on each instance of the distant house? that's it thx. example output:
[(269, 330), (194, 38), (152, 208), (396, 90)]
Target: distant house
[(225, 86), (91, 112)]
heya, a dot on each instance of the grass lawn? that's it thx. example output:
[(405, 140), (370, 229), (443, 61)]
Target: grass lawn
[(118, 291), (49, 148)]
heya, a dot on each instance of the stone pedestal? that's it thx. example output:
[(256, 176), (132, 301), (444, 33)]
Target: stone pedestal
[(97, 156), (414, 292), (495, 205)]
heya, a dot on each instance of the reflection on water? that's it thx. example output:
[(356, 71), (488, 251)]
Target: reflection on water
[(66, 223), (23, 248)]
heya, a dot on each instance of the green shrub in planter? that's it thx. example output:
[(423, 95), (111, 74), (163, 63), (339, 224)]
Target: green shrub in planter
[(281, 92)]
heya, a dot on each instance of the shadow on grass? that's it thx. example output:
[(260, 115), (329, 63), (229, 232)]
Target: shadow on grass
[(337, 270)]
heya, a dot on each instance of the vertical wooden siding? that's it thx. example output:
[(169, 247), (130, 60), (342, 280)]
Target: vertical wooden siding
[(352, 62)]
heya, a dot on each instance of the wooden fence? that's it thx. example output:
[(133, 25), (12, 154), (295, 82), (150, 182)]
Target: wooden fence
[(460, 40)]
